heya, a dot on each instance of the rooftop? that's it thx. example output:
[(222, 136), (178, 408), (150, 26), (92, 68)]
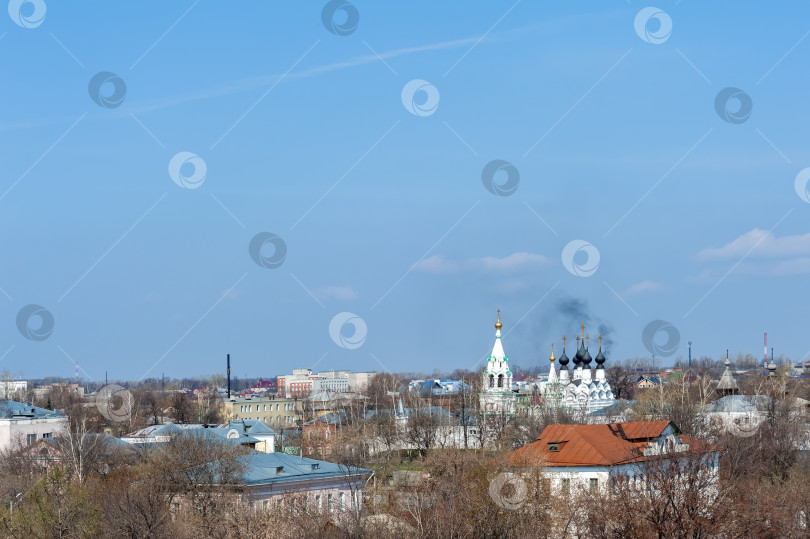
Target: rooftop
[(23, 410), (274, 467), (596, 445), (241, 431), (739, 404)]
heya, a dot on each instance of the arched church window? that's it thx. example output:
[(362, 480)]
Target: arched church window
[(491, 380), (500, 380)]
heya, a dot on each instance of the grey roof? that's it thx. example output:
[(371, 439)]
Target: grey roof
[(617, 407), (262, 468), (11, 409), (167, 429), (245, 429), (739, 403), (221, 435), (245, 426), (727, 381)]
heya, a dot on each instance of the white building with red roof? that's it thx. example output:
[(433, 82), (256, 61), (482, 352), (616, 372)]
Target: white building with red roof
[(592, 456)]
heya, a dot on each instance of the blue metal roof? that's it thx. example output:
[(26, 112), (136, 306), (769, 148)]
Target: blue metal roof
[(10, 409), (262, 468)]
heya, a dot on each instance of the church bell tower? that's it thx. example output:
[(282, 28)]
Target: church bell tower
[(496, 395)]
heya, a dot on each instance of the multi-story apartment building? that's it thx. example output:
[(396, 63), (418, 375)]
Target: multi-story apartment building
[(303, 382), (275, 413)]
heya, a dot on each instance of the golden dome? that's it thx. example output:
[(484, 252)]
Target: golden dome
[(551, 358), (498, 324)]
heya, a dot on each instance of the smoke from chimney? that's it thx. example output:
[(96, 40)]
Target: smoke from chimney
[(548, 326)]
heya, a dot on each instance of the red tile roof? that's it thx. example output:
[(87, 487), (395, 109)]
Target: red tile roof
[(589, 445)]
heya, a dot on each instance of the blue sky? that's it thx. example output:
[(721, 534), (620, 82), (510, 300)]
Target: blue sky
[(304, 134)]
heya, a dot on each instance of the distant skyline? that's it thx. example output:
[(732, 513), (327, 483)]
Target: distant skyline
[(357, 185)]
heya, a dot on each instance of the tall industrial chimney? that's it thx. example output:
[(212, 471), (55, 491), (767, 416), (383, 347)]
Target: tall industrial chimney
[(229, 376), (765, 360)]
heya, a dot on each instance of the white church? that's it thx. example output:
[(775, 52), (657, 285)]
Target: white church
[(585, 389), (496, 397)]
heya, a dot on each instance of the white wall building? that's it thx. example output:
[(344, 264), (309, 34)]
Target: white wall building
[(591, 456), (23, 424), (9, 387)]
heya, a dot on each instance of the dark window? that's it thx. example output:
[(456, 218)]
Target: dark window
[(594, 483), (566, 486)]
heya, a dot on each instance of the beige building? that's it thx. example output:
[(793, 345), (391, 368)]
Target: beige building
[(275, 413)]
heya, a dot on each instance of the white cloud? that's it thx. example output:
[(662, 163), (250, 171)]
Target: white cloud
[(760, 244), (439, 264), (341, 293), (643, 286), (795, 266)]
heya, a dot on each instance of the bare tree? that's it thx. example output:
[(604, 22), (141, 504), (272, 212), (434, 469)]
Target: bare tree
[(621, 380), (80, 446), (668, 496), (378, 390), (183, 409), (211, 407), (420, 430), (202, 474)]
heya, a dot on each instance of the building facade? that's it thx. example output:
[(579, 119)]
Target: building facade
[(592, 456), (304, 382), (275, 413)]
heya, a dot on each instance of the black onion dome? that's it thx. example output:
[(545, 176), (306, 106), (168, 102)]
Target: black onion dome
[(563, 360), (600, 359), (586, 359), (579, 355)]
